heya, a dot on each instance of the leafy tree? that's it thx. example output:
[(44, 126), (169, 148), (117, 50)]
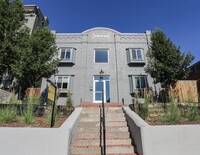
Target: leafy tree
[(11, 17), (35, 58), (29, 57), (166, 63)]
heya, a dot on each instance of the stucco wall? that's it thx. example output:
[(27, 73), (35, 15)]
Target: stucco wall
[(171, 140), (163, 140), (39, 141)]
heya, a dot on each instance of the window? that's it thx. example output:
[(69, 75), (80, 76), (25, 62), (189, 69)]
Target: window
[(135, 55), (66, 55), (101, 56), (138, 84), (62, 83)]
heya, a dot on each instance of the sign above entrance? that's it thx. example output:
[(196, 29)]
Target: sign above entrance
[(101, 35)]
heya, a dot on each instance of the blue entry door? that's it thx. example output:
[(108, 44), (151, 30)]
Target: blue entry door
[(99, 85)]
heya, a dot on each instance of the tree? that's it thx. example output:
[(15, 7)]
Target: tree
[(35, 58), (166, 63), (11, 17)]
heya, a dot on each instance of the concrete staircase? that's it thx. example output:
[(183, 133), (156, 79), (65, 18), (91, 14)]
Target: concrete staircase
[(89, 140)]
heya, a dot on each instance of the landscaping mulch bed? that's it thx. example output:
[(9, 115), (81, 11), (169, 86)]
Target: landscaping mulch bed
[(40, 122), (153, 120), (172, 114)]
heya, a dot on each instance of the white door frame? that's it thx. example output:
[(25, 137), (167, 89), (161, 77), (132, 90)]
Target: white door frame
[(104, 90)]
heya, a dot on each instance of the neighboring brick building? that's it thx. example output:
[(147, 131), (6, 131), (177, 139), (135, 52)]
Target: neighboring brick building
[(195, 71), (121, 56)]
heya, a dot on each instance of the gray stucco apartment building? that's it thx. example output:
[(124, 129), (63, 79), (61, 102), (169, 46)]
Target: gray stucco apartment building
[(121, 57)]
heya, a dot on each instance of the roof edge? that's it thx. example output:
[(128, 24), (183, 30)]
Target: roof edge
[(100, 28)]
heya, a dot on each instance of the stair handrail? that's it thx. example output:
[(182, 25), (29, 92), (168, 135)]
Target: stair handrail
[(103, 124)]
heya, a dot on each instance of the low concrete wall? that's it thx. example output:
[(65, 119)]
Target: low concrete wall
[(163, 140), (39, 141), (171, 140), (135, 124), (71, 125)]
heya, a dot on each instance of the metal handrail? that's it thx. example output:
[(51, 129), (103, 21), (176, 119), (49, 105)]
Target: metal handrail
[(104, 125), (100, 136)]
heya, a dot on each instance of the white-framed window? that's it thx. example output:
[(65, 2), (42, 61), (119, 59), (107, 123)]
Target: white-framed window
[(135, 55), (62, 83), (101, 56), (138, 83), (66, 54)]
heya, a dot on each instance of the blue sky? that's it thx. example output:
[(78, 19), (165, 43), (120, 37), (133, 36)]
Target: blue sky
[(179, 19)]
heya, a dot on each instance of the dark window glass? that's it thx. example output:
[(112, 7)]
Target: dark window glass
[(62, 54), (137, 82), (139, 54), (140, 85), (134, 54), (59, 85), (140, 82), (101, 56), (68, 55), (65, 85), (143, 82), (63, 82)]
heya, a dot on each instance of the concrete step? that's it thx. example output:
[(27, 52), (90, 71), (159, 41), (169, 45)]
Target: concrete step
[(90, 150), (89, 104), (86, 115), (95, 119), (106, 109), (110, 142), (109, 135), (109, 150), (97, 129), (106, 112), (108, 124)]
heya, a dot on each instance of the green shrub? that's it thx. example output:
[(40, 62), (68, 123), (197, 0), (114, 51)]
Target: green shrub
[(172, 114), (56, 116), (144, 110), (28, 116), (8, 115), (32, 100), (190, 100), (69, 101), (192, 113)]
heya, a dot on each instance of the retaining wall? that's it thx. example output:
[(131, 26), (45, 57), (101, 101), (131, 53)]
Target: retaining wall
[(163, 140), (39, 141)]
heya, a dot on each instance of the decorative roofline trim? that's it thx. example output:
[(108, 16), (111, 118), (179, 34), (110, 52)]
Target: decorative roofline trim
[(100, 28)]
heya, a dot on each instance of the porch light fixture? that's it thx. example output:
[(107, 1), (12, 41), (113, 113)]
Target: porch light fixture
[(101, 74)]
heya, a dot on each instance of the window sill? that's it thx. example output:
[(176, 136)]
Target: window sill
[(62, 91), (136, 62), (67, 61)]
